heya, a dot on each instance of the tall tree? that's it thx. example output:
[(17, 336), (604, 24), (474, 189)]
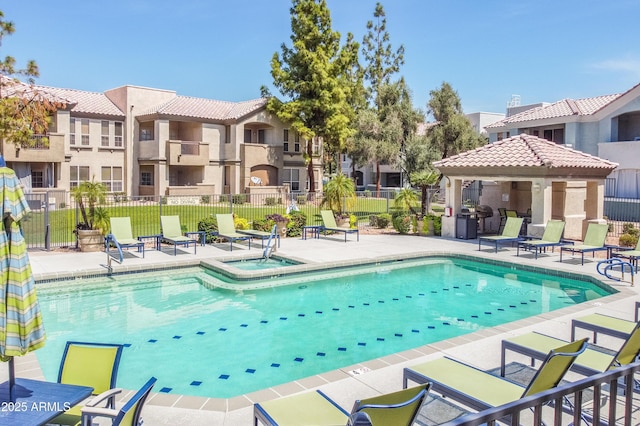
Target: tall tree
[(24, 110), (453, 132), (381, 63), (310, 74)]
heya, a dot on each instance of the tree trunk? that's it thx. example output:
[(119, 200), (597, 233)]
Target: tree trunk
[(312, 178), (377, 179), (423, 208)]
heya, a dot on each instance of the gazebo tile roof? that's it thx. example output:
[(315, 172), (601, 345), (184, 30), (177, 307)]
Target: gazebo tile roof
[(525, 151)]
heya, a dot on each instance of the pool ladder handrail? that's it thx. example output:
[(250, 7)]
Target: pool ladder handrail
[(612, 263), (110, 238), (268, 250)]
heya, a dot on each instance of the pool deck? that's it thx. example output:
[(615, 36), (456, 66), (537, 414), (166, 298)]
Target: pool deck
[(481, 348)]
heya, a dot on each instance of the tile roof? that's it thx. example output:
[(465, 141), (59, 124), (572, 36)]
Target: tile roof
[(563, 108), (13, 87), (185, 106), (86, 102), (525, 151)]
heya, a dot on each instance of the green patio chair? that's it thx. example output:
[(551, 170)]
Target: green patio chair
[(329, 224), (594, 241), (592, 361), (480, 390), (550, 238), (510, 233), (316, 408), (172, 233), (88, 364), (227, 230), (121, 231), (262, 235), (129, 414), (603, 324)]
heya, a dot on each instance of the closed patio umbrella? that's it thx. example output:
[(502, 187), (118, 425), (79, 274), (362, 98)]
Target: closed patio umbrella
[(21, 328)]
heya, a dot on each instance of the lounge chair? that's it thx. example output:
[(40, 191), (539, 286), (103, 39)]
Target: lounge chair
[(480, 390), (631, 253), (603, 324), (262, 235), (88, 364), (121, 231), (510, 233), (316, 408), (227, 230), (128, 415), (592, 361), (329, 224), (172, 234), (550, 238), (594, 241)]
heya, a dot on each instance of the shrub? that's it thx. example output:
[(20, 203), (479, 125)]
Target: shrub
[(402, 223), (629, 228), (209, 225), (270, 201), (239, 199), (240, 222), (263, 225), (223, 199), (353, 221), (205, 199), (628, 240), (366, 193), (301, 199), (297, 220), (383, 220), (373, 220)]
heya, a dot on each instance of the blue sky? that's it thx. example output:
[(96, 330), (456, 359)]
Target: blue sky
[(487, 50)]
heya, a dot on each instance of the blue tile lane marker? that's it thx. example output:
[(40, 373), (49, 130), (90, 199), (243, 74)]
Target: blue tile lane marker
[(200, 333), (362, 344), (300, 315), (152, 340), (298, 359), (222, 329), (320, 354), (264, 322), (195, 383), (415, 331), (223, 376), (250, 370), (342, 349), (380, 339), (165, 390), (127, 345), (177, 337), (275, 365), (244, 325), (283, 318)]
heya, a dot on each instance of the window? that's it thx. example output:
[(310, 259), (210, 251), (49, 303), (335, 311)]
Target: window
[(296, 145), (146, 131), (292, 177), (285, 138), (247, 135), (104, 133), (112, 178), (262, 136), (316, 146), (84, 126), (146, 178), (554, 135), (227, 134), (37, 179), (72, 131), (78, 174), (117, 139)]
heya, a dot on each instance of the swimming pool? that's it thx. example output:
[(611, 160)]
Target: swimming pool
[(260, 264), (202, 335)]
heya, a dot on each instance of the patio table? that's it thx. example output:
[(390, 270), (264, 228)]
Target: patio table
[(36, 402)]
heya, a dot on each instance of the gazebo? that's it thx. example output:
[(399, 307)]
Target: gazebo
[(529, 174)]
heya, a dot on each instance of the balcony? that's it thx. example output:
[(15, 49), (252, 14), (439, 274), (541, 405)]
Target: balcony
[(39, 152), (187, 153)]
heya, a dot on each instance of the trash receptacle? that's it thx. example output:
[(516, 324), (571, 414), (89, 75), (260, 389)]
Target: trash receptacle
[(466, 226)]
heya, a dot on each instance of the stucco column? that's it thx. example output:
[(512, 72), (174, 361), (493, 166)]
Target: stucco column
[(594, 203), (574, 209), (453, 199), (541, 198)]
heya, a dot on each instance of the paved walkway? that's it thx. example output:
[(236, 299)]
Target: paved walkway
[(385, 374)]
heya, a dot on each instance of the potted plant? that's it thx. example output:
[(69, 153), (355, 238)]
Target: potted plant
[(95, 220), (339, 193), (281, 222)]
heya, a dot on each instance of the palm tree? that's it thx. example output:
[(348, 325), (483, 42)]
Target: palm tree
[(339, 193), (92, 193), (406, 199)]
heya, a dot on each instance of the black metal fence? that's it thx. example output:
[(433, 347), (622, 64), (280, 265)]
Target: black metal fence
[(619, 211), (55, 214)]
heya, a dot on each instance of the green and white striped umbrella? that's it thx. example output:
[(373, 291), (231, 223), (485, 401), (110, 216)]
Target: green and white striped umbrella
[(21, 328)]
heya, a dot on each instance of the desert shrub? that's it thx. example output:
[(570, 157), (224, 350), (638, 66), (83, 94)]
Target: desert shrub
[(297, 220), (210, 226), (205, 199), (628, 240), (373, 220), (402, 223), (383, 220), (263, 225), (629, 228), (240, 222), (239, 199)]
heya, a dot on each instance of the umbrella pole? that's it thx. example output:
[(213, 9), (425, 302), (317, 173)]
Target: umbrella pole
[(12, 379)]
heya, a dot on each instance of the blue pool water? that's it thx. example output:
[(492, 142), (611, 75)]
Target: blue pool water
[(260, 264), (200, 339)]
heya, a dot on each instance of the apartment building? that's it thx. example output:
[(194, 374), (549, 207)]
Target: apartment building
[(152, 142)]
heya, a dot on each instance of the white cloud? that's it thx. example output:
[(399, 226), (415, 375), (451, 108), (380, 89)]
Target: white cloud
[(625, 65)]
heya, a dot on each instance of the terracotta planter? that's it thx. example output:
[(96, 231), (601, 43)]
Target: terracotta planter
[(282, 229), (90, 240)]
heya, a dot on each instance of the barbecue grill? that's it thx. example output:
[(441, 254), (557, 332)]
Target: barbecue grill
[(483, 211)]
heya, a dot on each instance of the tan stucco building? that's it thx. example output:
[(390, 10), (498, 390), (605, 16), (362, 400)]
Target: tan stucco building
[(152, 142)]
